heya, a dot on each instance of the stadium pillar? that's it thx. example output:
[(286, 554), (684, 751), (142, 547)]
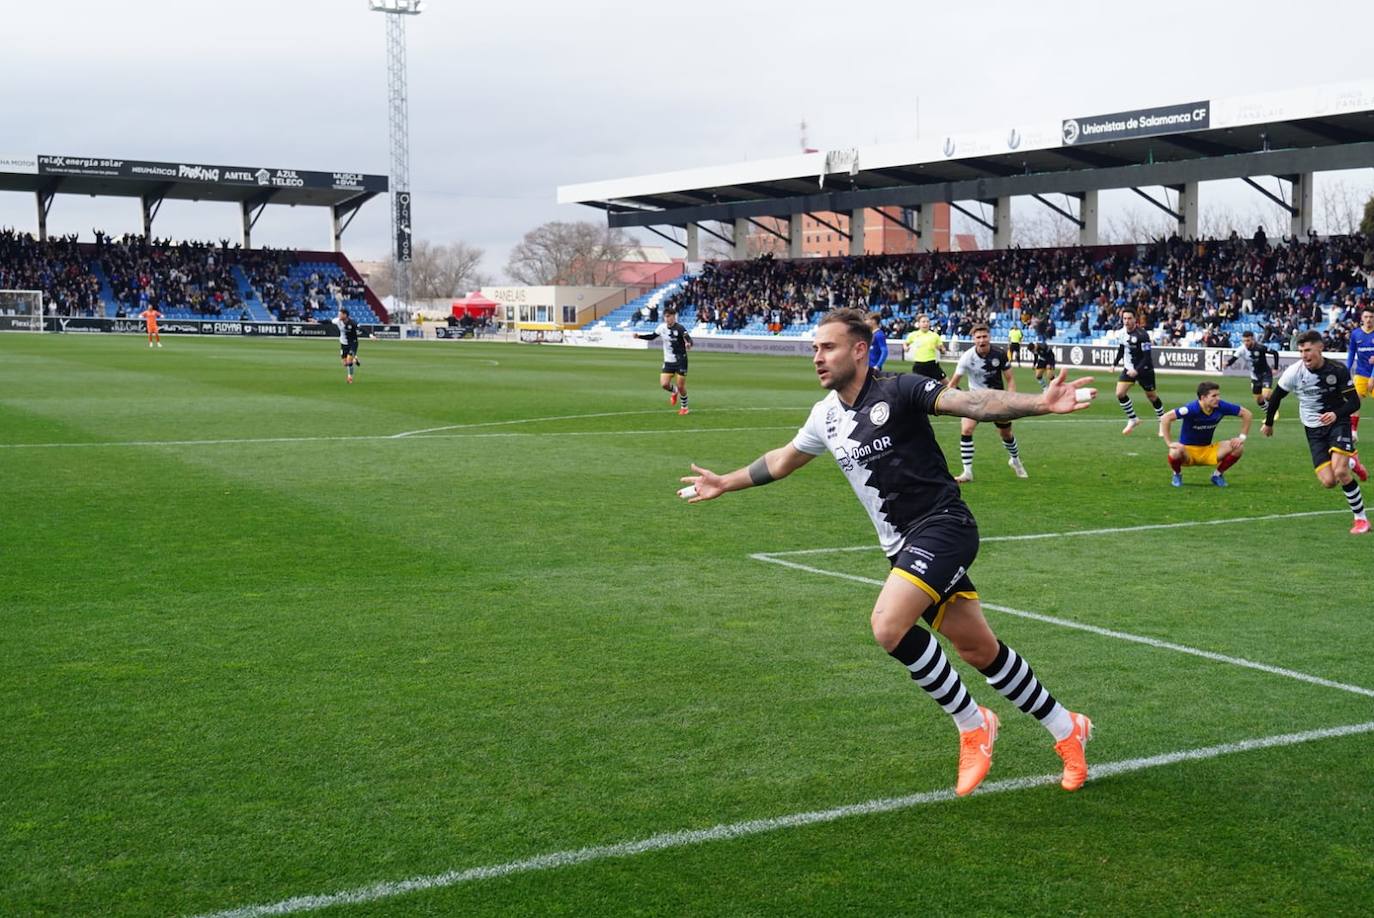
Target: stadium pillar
[(44, 199), (1001, 237), (1087, 212), (856, 231), (1187, 206), (246, 236), (925, 225), (693, 242), (741, 238), (794, 236), (150, 205), (1302, 204)]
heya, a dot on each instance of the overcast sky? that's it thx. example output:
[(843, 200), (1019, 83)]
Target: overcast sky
[(510, 99)]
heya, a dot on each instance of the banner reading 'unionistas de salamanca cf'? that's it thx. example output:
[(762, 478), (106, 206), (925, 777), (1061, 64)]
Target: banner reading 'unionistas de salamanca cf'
[(1141, 122)]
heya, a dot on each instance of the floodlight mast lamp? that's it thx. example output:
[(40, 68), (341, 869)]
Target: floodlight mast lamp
[(398, 106)]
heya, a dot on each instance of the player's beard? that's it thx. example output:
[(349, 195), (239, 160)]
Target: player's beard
[(840, 377)]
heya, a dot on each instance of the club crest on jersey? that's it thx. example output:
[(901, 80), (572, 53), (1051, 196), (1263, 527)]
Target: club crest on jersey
[(878, 414), (1331, 380), (932, 384)]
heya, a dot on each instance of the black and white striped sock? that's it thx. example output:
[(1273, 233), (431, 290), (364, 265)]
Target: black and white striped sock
[(1012, 448), (682, 400), (1158, 404), (966, 452), (1015, 680), (922, 655), (1354, 498), (1127, 407)]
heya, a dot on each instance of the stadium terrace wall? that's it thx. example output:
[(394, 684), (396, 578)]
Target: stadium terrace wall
[(85, 325), (1209, 360)]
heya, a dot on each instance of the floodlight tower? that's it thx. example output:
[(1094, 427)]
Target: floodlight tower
[(397, 97)]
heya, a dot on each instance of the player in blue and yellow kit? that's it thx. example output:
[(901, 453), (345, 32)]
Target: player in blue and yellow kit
[(1200, 418), (1360, 360)]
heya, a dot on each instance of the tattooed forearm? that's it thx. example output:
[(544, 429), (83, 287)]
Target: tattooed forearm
[(990, 405)]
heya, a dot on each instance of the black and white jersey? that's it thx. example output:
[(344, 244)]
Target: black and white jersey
[(1255, 359), (675, 340), (1325, 389), (984, 371), (348, 329), (1044, 356), (1135, 348), (886, 447)]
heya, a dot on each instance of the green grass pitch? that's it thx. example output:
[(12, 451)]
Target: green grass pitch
[(255, 646)]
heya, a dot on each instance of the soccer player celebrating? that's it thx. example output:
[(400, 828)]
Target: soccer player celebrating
[(925, 347), (150, 317), (1139, 369), (1255, 357), (348, 341), (1326, 400), (878, 429), (1042, 363), (1200, 418), (676, 342), (1360, 360), (986, 367), (877, 355)]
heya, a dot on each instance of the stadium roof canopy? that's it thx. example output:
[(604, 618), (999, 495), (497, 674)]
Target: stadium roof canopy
[(251, 187), (1289, 134)]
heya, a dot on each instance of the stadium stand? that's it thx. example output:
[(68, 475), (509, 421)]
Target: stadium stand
[(122, 276), (1188, 292)]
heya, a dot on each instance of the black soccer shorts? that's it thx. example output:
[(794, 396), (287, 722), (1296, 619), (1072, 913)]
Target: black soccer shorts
[(678, 366), (936, 555), (1323, 441)]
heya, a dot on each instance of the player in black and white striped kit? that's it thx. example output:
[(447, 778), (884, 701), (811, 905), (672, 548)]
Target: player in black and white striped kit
[(348, 341), (877, 426), (986, 367), (1255, 357), (1326, 400), (1139, 369), (676, 343)]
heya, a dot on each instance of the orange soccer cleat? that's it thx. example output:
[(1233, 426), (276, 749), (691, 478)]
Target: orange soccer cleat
[(975, 753), (684, 410), (672, 398), (1360, 527), (1070, 749), (1358, 468)]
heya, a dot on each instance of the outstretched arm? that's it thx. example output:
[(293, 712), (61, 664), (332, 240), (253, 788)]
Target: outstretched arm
[(772, 465), (1060, 397)]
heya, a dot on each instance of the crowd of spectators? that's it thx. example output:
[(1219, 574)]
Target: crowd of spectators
[(164, 274), (56, 267), (1176, 286)]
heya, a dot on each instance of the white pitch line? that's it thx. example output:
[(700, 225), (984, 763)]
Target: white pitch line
[(386, 437), (666, 840), (564, 417), (1078, 532), (1104, 632)]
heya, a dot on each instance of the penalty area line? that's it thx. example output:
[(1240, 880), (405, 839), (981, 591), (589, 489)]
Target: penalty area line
[(680, 839), (1028, 537), (1106, 632)]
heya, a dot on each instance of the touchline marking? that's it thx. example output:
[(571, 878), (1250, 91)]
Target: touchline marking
[(564, 417), (1106, 632), (1072, 532), (666, 840), (386, 437)]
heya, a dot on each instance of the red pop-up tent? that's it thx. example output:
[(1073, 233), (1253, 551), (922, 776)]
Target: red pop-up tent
[(475, 305)]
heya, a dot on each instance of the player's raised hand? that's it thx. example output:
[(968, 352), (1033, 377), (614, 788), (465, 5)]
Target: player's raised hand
[(707, 483), (1064, 397)]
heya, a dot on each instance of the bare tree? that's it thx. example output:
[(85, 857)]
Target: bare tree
[(1135, 225), (437, 271), (1342, 205), (1042, 229), (962, 225), (579, 254)]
